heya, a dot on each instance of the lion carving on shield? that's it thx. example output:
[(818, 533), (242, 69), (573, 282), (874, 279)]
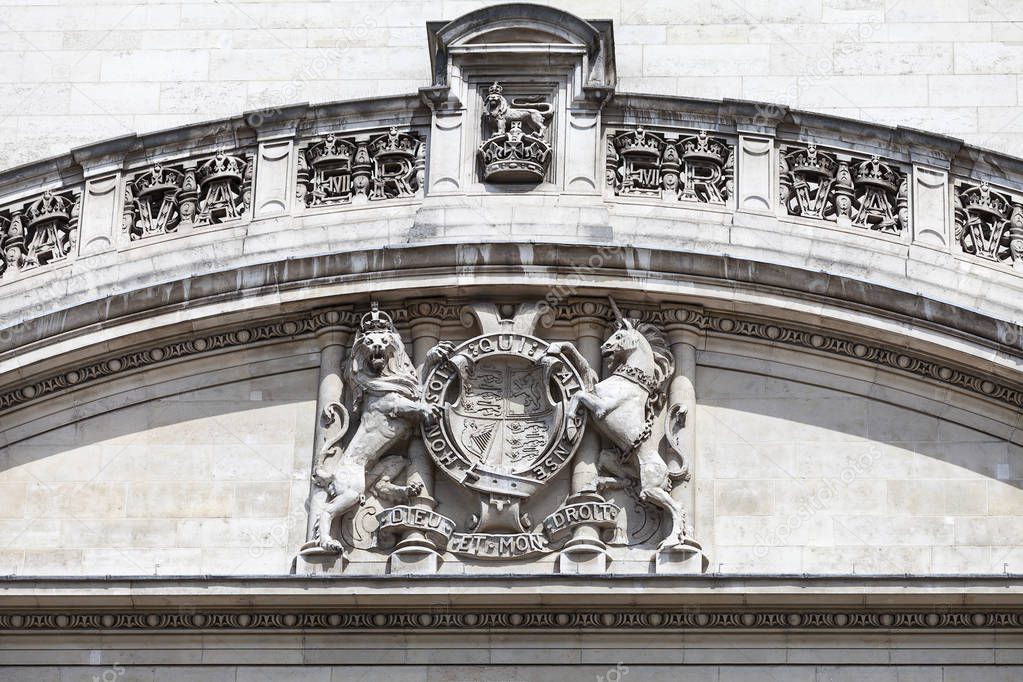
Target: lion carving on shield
[(388, 399), (531, 109)]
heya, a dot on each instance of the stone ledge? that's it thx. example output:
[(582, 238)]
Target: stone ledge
[(940, 593)]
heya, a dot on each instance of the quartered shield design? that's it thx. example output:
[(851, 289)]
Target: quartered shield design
[(504, 429), (504, 418)]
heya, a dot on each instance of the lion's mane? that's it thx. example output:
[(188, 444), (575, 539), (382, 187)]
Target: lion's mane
[(398, 375)]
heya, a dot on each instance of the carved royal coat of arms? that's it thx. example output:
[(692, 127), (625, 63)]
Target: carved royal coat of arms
[(504, 431)]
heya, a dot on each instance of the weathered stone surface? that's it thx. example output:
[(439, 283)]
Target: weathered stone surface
[(399, 388)]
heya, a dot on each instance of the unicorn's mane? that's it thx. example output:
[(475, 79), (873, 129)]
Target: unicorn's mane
[(659, 345)]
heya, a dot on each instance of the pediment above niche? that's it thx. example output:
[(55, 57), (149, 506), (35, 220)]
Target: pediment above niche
[(517, 34), (520, 37)]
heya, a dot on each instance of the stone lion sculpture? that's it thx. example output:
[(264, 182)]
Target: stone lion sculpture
[(520, 109), (387, 397)]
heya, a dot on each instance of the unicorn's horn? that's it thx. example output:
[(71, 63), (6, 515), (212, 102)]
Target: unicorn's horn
[(618, 314)]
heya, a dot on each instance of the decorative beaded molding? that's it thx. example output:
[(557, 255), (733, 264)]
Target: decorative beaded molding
[(860, 349), (794, 336), (442, 311), (660, 619), (175, 350), (850, 348)]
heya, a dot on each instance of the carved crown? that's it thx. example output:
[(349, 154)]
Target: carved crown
[(331, 150), (515, 156), (983, 199), (395, 143), (49, 206), (703, 147), (496, 89), (157, 179), (222, 167), (813, 161), (376, 320), (640, 142), (879, 173)]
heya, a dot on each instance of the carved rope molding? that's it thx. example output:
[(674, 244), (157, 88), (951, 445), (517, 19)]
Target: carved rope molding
[(548, 619), (791, 335)]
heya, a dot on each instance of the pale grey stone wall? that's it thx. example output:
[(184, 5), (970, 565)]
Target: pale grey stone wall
[(797, 478), (75, 71), (569, 671), (211, 480)]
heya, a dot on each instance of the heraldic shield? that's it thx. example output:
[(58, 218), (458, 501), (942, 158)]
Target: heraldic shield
[(504, 417), (504, 430)]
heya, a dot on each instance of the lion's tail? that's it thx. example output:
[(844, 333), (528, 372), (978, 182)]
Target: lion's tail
[(336, 421), (535, 102)]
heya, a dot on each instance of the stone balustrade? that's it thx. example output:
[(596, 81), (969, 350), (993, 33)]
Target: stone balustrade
[(892, 184), (360, 174)]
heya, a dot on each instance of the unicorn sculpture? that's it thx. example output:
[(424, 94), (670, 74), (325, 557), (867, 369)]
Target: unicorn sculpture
[(628, 408)]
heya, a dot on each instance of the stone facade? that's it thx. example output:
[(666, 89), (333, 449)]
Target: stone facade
[(513, 372), (951, 69)]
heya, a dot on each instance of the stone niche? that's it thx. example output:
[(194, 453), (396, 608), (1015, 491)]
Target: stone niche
[(519, 90)]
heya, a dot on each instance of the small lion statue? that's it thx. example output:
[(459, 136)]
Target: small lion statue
[(388, 400), (520, 109)]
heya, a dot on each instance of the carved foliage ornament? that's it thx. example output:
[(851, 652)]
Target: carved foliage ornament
[(989, 223), (671, 166), (41, 231), (195, 193), (342, 170), (849, 190), (516, 145)]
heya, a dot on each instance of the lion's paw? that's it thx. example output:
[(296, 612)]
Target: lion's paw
[(413, 490), (331, 545)]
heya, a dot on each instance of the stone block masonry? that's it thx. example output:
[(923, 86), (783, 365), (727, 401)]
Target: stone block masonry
[(74, 71)]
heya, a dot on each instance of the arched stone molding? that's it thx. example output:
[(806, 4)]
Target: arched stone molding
[(923, 358), (522, 24)]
